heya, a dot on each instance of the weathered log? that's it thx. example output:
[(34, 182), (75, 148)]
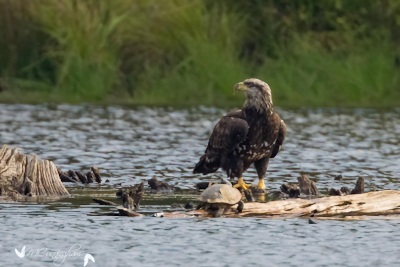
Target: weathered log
[(104, 202), (307, 187), (359, 189), (373, 203), (27, 175), (127, 212)]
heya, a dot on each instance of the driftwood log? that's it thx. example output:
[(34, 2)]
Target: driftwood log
[(26, 175), (385, 202), (127, 212)]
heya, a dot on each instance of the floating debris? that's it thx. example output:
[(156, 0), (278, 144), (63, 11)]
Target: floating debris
[(189, 206), (104, 202), (311, 221), (127, 212), (338, 177)]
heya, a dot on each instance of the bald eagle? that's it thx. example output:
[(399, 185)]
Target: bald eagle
[(253, 134)]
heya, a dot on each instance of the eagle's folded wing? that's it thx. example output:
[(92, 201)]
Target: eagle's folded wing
[(280, 139), (227, 135)]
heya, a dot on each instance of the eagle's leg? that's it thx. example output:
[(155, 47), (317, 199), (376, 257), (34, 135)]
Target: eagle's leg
[(241, 184), (261, 167), (261, 184)]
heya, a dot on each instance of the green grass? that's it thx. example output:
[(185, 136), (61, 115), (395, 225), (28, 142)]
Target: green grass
[(192, 52)]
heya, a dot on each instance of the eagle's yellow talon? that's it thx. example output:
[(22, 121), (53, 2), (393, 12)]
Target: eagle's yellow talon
[(261, 184), (241, 184)]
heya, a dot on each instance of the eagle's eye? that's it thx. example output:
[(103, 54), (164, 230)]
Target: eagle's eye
[(254, 85)]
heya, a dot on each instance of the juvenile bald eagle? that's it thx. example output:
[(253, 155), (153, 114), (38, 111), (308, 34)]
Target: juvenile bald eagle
[(253, 134)]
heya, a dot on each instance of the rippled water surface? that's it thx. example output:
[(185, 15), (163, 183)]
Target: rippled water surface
[(131, 145)]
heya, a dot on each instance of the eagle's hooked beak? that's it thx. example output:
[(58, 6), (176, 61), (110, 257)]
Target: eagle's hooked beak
[(240, 87)]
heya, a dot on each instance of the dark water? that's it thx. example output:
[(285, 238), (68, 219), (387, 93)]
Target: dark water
[(133, 145)]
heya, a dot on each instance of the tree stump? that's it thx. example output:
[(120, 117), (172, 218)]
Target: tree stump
[(27, 175)]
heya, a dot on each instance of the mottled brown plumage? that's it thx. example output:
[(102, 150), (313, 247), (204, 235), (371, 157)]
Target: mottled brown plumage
[(253, 134)]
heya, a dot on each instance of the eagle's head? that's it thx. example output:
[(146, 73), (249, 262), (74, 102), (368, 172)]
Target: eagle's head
[(258, 95)]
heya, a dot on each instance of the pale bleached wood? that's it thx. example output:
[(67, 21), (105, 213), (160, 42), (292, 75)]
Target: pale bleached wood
[(24, 174), (385, 202)]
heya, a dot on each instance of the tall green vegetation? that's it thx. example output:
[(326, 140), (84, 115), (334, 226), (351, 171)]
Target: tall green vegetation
[(191, 52)]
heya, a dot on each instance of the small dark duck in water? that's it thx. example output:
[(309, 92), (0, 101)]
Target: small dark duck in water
[(253, 134)]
